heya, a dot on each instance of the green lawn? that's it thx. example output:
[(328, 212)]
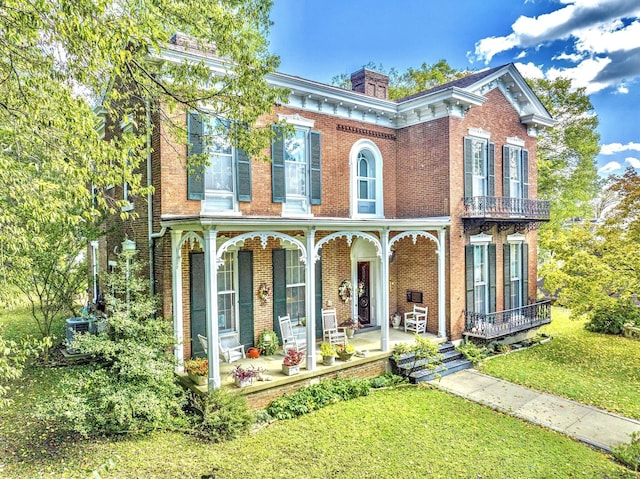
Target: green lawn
[(405, 433), (596, 369)]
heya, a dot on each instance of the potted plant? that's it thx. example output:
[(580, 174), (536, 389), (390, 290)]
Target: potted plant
[(345, 351), (268, 342), (244, 376), (291, 362), (395, 320), (197, 369), (350, 326), (328, 352)]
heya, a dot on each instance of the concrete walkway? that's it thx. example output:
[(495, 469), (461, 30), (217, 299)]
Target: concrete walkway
[(590, 425)]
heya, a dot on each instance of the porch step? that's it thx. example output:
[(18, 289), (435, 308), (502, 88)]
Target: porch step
[(417, 371)]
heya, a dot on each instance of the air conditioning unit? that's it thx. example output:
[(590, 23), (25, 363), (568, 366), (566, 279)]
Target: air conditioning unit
[(78, 325)]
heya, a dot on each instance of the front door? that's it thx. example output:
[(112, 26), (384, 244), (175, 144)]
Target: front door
[(363, 293)]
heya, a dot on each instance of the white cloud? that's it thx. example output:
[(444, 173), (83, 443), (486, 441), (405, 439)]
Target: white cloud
[(613, 148), (604, 34), (609, 167), (521, 55), (634, 162), (623, 89), (529, 70)]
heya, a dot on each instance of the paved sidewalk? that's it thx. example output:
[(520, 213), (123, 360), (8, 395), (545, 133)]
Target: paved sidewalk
[(585, 423)]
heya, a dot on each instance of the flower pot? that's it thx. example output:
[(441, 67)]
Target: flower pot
[(345, 356), (395, 321), (328, 360), (243, 383), (198, 380), (350, 332), (290, 370)]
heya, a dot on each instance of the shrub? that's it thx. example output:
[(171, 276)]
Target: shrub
[(220, 416), (610, 318), (387, 380), (268, 342), (473, 352), (425, 354), (311, 398), (629, 454)]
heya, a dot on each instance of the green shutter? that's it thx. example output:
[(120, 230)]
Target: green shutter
[(506, 273), (245, 297), (279, 265), (505, 172), (525, 273), (197, 303), (468, 258), (491, 170), (315, 167), (318, 280), (278, 192), (195, 175), (243, 175), (468, 168), (525, 174), (491, 250)]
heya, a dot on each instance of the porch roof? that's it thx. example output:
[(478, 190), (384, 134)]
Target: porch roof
[(236, 223)]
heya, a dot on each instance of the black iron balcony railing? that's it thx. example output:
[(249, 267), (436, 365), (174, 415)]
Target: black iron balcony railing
[(499, 207), (510, 321)]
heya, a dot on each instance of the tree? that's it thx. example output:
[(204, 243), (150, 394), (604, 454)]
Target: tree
[(567, 174), (59, 60)]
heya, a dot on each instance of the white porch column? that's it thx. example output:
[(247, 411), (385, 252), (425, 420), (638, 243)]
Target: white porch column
[(211, 298), (442, 316), (384, 326), (176, 279), (310, 279)]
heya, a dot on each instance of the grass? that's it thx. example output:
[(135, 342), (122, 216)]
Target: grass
[(596, 369), (409, 432)]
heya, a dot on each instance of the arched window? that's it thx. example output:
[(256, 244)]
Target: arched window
[(366, 173)]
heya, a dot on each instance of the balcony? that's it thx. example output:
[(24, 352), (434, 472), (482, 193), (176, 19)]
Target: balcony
[(505, 323), (482, 212)]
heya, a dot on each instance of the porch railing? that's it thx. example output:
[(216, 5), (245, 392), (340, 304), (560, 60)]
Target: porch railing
[(510, 321), (505, 208)]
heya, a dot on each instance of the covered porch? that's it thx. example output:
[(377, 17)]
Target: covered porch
[(328, 253)]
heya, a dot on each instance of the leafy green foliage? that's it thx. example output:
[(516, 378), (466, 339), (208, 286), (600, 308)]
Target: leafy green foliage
[(315, 397), (268, 342), (221, 416), (610, 318), (595, 369), (387, 380), (425, 353), (629, 454), (132, 386), (473, 352)]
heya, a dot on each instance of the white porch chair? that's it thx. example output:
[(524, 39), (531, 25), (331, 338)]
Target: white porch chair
[(203, 343), (416, 320), (230, 349), (289, 340), (331, 333)]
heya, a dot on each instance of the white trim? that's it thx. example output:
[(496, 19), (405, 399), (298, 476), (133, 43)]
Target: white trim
[(358, 146), (297, 120), (479, 133), (514, 140), (480, 239), (516, 238)]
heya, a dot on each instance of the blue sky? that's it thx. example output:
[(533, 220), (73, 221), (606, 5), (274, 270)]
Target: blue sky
[(596, 43)]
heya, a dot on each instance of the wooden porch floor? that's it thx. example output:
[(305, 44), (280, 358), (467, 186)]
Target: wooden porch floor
[(368, 341)]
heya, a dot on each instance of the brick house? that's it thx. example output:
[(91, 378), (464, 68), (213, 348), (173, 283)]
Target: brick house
[(427, 200)]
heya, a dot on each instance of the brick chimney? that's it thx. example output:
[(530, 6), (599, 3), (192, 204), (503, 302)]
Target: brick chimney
[(370, 83)]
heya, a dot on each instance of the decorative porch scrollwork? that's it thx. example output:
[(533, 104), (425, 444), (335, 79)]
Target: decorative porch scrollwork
[(349, 235)]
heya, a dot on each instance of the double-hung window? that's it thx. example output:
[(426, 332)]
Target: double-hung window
[(480, 272), (516, 272), (222, 175), (227, 294), (479, 166), (515, 165), (367, 198), (296, 169), (366, 183)]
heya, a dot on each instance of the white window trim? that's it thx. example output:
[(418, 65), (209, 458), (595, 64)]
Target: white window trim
[(235, 329), (516, 238), (357, 147), (297, 120), (480, 239), (479, 133), (515, 141)]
